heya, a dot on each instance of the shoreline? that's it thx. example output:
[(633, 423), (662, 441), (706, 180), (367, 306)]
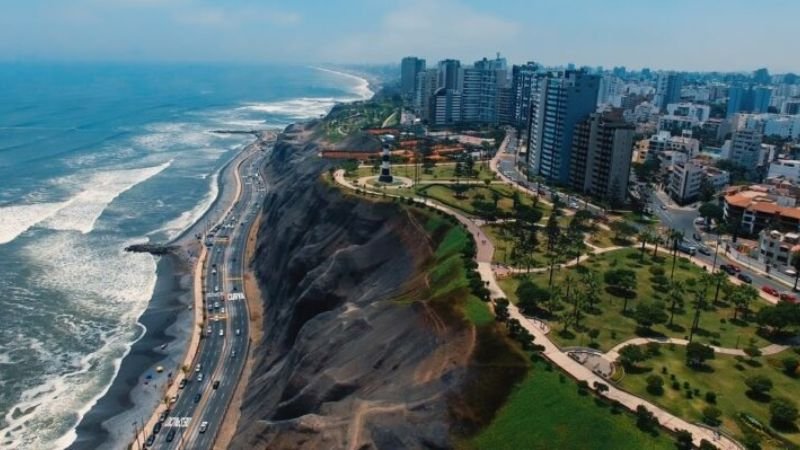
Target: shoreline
[(170, 317), (111, 418)]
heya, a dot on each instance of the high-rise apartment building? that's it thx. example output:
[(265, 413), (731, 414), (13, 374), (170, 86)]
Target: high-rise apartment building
[(600, 162), (748, 99), (560, 100), (480, 93), (522, 77), (668, 89), (746, 149), (410, 67), (426, 87)]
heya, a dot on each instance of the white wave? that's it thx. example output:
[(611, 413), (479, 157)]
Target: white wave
[(361, 86), (82, 211), (112, 301), (17, 219), (175, 227), (298, 108), (168, 135)]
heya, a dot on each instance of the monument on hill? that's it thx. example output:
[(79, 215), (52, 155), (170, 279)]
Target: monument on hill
[(386, 173)]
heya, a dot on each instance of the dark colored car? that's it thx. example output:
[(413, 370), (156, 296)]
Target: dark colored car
[(182, 384), (156, 427), (787, 297), (216, 384), (163, 416), (150, 440), (727, 269), (197, 398), (745, 278), (170, 435)]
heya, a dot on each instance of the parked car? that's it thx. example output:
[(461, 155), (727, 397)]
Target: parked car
[(745, 278), (770, 290), (171, 435), (788, 297), (735, 268), (150, 440), (203, 426), (686, 248), (156, 427), (183, 383), (704, 250)]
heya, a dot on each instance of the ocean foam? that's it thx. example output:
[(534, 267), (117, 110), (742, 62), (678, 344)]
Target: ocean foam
[(361, 86), (82, 211), (298, 108), (175, 227), (110, 306), (17, 219)]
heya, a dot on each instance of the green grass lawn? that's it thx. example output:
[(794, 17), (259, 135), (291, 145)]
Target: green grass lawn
[(440, 172), (614, 327), (725, 378), (601, 237), (546, 412)]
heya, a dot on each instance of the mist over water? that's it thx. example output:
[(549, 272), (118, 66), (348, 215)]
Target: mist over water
[(92, 158)]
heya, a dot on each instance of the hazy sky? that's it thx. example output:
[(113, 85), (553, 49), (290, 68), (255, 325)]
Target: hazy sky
[(676, 34)]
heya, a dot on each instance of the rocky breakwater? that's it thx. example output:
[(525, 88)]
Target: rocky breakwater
[(352, 355)]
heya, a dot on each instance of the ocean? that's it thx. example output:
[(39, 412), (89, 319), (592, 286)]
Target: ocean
[(94, 157)]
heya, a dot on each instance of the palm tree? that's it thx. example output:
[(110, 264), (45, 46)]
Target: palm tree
[(796, 266), (644, 236), (676, 292), (675, 236), (718, 278), (657, 239)]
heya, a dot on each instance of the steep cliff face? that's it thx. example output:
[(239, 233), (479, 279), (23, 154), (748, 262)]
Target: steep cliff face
[(351, 357)]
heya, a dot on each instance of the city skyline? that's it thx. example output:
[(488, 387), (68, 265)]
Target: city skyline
[(725, 36)]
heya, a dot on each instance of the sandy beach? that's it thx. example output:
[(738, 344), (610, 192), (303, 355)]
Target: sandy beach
[(169, 320)]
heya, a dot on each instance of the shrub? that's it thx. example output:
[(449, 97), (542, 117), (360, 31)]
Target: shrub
[(783, 413), (656, 270), (758, 384), (676, 385), (655, 385), (684, 439), (711, 397), (790, 365), (711, 415)]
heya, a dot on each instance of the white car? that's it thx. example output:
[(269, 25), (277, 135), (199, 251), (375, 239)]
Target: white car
[(222, 332), (203, 426), (238, 332), (197, 367), (199, 377)]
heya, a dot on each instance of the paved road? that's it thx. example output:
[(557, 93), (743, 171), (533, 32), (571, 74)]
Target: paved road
[(223, 349)]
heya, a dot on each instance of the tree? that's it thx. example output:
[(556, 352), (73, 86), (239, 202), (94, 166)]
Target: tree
[(707, 190), (697, 354), (531, 296), (705, 445), (645, 419), (552, 233), (699, 305), (783, 413), (645, 235), (591, 289), (630, 355), (758, 384), (676, 292), (710, 211), (711, 415), (675, 236), (684, 440), (655, 384), (648, 314), (742, 295), (622, 283), (719, 278), (623, 230), (790, 365), (796, 266)]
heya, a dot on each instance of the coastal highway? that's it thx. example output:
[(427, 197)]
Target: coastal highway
[(223, 349)]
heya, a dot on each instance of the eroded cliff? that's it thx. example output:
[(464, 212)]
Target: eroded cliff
[(353, 356)]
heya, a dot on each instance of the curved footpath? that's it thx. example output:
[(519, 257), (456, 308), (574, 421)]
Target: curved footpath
[(485, 251), (613, 354)]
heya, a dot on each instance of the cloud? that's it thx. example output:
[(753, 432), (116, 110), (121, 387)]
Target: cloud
[(437, 29), (230, 17)]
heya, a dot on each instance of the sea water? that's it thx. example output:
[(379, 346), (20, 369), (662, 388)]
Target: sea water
[(94, 157)]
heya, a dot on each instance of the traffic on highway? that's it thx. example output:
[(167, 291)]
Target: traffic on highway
[(206, 388)]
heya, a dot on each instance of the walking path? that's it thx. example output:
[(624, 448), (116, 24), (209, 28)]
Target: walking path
[(613, 354), (485, 251)]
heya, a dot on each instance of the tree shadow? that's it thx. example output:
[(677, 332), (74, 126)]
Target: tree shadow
[(760, 397), (676, 327), (649, 333)]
